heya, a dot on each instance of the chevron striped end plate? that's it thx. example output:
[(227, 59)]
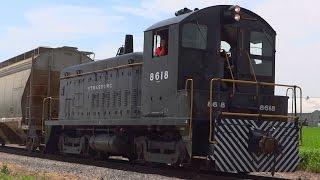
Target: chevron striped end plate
[(232, 154)]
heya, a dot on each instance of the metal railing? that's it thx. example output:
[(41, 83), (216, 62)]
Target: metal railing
[(292, 97), (191, 105), (47, 101), (251, 67), (259, 115), (230, 69)]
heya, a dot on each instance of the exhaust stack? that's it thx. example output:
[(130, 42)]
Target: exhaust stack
[(128, 46)]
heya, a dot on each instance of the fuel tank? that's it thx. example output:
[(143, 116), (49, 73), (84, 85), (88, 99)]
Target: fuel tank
[(110, 144)]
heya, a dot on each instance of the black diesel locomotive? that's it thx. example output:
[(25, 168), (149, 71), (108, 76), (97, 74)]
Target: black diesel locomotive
[(207, 95)]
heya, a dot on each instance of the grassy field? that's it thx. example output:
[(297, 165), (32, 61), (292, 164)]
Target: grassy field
[(6, 174), (310, 149), (19, 177)]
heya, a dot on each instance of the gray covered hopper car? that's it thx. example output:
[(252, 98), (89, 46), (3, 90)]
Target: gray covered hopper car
[(25, 81)]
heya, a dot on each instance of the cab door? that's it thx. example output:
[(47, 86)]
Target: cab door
[(159, 81)]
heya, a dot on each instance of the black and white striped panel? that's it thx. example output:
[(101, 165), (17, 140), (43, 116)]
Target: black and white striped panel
[(231, 151)]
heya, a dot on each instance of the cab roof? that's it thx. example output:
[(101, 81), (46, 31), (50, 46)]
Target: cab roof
[(184, 17), (167, 22)]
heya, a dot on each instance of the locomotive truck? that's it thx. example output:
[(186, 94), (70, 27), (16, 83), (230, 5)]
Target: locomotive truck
[(209, 99)]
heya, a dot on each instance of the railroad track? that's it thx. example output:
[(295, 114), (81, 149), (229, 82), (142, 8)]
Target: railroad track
[(121, 164)]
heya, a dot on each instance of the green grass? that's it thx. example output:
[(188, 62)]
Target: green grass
[(5, 174), (14, 177), (5, 170), (310, 149)]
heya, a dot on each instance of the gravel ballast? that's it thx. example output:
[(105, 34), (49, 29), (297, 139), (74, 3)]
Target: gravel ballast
[(64, 170), (72, 170)]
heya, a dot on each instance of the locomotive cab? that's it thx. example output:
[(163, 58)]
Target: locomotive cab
[(222, 42), (220, 63)]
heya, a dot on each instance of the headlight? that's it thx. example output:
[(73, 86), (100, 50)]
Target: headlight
[(237, 17), (237, 9)]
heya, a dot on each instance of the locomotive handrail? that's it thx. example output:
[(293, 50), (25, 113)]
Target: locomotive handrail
[(291, 97), (294, 117), (191, 104), (229, 66), (43, 110), (230, 69), (256, 115), (251, 67), (300, 128), (102, 70)]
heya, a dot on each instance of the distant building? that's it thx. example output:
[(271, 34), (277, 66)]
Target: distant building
[(311, 119)]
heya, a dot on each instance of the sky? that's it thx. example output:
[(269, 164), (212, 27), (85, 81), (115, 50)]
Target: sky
[(100, 26)]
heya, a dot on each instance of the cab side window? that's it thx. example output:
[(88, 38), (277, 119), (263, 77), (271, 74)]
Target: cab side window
[(194, 36), (160, 42)]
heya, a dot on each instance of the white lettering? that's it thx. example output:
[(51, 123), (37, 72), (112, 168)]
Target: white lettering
[(166, 74), (267, 108), (158, 76), (215, 104), (99, 87)]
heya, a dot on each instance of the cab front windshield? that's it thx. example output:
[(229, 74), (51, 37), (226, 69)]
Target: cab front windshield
[(261, 53), (257, 48), (194, 36)]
